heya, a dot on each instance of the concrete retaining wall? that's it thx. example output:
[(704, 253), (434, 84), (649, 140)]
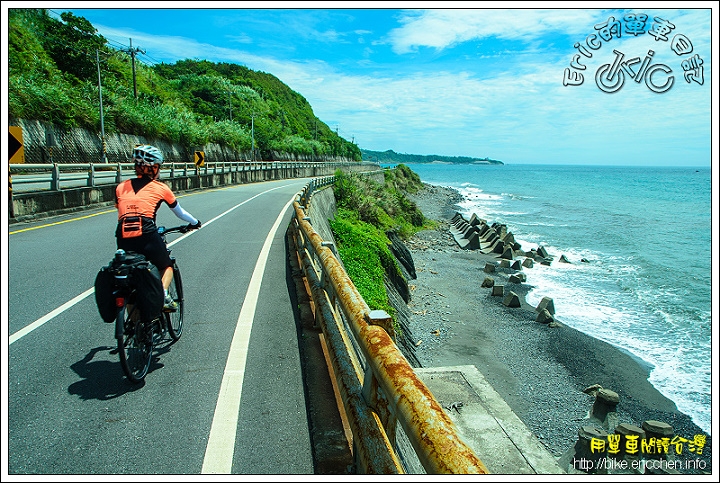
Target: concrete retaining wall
[(46, 143)]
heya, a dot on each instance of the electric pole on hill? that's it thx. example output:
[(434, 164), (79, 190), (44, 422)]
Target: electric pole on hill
[(132, 53)]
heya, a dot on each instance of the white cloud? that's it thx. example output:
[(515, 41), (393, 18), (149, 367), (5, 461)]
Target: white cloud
[(523, 114), (515, 118), (440, 29)]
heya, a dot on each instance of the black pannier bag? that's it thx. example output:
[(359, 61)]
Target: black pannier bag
[(150, 293), (140, 273)]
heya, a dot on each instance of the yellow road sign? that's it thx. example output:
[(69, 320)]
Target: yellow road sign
[(199, 158), (16, 150)]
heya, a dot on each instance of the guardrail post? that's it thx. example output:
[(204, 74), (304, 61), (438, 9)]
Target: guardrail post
[(91, 176), (375, 400), (55, 181), (381, 318), (118, 174), (331, 246), (371, 392)]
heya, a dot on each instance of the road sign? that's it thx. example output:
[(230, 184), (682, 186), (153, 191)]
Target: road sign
[(16, 150), (199, 159)]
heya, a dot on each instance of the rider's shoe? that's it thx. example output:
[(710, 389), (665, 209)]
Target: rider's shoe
[(170, 304)]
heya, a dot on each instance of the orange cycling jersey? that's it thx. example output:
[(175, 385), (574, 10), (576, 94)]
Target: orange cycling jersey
[(137, 201)]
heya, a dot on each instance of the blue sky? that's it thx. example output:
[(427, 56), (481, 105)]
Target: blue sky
[(456, 81)]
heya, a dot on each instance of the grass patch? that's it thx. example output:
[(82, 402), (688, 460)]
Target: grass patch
[(364, 251), (367, 211)]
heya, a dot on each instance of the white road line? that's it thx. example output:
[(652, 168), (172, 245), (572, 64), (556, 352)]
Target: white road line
[(29, 328), (221, 442), (67, 305)]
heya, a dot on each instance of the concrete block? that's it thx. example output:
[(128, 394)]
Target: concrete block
[(546, 303), (511, 300)]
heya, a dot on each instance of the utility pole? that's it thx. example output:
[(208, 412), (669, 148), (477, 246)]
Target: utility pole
[(103, 159), (230, 104), (252, 134), (132, 53)]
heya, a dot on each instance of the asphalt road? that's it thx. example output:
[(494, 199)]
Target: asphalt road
[(70, 409)]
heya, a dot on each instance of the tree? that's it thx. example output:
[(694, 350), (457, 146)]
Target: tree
[(72, 45)]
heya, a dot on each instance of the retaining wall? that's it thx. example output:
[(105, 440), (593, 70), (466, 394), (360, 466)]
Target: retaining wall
[(46, 143)]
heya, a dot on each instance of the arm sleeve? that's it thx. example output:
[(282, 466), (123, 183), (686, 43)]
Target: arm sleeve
[(183, 215)]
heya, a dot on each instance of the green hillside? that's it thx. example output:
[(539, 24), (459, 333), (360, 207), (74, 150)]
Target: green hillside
[(391, 157), (54, 66)]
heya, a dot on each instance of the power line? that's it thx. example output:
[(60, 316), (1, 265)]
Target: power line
[(153, 62)]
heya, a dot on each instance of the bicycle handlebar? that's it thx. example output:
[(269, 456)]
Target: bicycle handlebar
[(181, 229)]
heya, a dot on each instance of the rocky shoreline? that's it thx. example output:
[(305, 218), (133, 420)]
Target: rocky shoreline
[(540, 370)]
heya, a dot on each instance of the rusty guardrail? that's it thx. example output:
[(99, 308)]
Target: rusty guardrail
[(378, 387)]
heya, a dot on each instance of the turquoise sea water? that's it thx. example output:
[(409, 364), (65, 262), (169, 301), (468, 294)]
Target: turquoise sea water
[(646, 235)]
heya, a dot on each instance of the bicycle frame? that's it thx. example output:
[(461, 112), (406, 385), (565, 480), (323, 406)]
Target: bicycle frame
[(136, 337)]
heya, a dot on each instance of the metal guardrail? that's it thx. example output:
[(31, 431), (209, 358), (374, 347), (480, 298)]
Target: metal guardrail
[(59, 176), (378, 387)]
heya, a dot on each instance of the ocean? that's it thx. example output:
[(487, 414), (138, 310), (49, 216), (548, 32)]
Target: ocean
[(638, 240)]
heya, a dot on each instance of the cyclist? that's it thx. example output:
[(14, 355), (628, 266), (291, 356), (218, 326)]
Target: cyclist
[(137, 201)]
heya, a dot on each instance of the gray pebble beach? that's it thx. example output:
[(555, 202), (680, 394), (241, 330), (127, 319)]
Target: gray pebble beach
[(539, 370)]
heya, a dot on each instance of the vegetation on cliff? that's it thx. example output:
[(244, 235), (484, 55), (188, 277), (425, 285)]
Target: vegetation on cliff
[(366, 212), (54, 68), (391, 157)]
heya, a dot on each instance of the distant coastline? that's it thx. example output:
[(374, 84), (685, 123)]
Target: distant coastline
[(391, 157)]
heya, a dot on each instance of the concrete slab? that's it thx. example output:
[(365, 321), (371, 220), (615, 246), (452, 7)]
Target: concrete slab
[(486, 423)]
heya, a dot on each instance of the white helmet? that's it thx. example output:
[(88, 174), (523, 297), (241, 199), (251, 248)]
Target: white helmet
[(150, 155), (148, 160)]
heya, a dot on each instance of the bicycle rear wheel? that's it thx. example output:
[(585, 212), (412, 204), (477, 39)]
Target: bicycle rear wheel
[(174, 319), (136, 344)]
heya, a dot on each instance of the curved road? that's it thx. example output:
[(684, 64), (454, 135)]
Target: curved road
[(70, 408)]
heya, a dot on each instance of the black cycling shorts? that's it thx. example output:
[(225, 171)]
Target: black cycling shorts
[(149, 244)]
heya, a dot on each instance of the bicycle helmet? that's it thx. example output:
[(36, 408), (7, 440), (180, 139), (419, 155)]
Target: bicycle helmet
[(148, 160)]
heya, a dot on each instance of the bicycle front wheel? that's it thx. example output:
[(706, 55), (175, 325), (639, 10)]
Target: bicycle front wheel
[(135, 345), (174, 318)]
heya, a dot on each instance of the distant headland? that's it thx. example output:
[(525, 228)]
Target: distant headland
[(392, 157)]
